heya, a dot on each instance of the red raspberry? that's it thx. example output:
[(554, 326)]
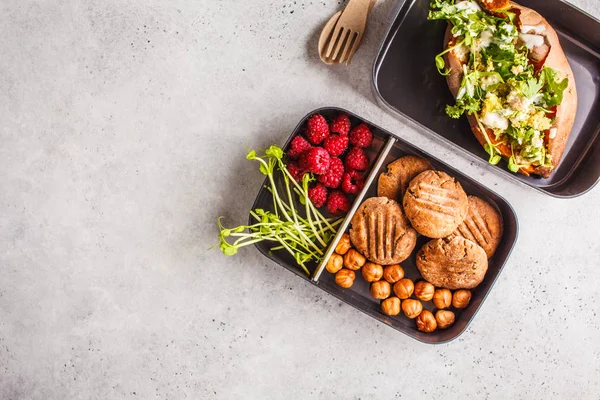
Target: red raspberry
[(318, 195), (316, 129), (341, 124), (357, 159), (298, 146), (361, 136), (333, 177), (352, 182), (337, 203), (315, 160), (336, 144), (295, 170)]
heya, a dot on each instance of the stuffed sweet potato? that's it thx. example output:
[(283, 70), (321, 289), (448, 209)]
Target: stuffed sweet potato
[(508, 73)]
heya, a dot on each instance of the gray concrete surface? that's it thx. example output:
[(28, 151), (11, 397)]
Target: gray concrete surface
[(123, 126)]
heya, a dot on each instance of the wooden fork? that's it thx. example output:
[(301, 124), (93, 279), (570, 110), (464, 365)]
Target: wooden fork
[(348, 32)]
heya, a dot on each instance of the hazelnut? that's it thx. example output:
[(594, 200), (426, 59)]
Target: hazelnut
[(380, 290), (393, 273), (391, 306), (335, 263), (461, 298), (444, 318), (412, 308), (345, 278), (442, 298), (426, 322), (343, 245), (354, 260), (372, 272), (424, 290), (404, 288)]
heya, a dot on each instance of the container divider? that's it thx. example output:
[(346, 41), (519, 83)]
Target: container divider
[(374, 171)]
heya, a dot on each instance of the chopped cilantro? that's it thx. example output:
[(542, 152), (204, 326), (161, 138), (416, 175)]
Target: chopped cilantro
[(454, 111), (531, 88), (510, 15)]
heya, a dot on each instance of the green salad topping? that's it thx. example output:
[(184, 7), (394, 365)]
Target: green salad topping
[(500, 84)]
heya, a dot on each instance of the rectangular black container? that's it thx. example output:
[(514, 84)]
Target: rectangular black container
[(407, 83), (358, 295)]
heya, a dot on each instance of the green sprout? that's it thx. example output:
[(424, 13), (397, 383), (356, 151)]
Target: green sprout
[(304, 235)]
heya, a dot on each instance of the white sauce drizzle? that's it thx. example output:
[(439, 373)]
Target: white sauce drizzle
[(537, 141), (531, 41), (488, 81), (484, 40), (468, 5), (495, 121), (553, 132), (537, 29), (462, 53)]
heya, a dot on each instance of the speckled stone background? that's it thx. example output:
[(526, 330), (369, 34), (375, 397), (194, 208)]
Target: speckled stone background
[(122, 138)]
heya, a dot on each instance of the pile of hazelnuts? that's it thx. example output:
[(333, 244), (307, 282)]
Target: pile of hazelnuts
[(346, 260)]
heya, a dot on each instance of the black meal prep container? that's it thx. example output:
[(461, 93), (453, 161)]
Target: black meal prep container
[(386, 148), (407, 83)]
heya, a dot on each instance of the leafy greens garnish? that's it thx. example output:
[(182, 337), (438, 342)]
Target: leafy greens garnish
[(553, 95), (498, 77), (532, 87)]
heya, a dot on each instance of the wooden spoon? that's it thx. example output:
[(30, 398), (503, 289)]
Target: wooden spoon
[(343, 32)]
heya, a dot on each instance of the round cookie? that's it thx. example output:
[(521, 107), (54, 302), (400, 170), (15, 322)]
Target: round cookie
[(452, 263), (435, 204), (381, 232), (483, 225), (393, 183)]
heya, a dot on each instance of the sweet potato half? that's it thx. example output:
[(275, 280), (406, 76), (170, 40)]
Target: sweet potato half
[(549, 54)]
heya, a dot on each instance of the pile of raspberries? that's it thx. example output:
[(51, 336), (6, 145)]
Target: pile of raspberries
[(334, 153)]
